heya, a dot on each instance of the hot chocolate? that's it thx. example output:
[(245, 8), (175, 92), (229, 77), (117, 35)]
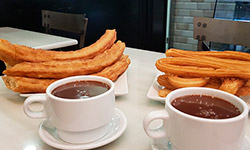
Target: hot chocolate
[(205, 106), (80, 89)]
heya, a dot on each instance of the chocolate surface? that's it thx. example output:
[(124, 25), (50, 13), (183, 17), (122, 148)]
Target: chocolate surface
[(205, 107), (80, 89)]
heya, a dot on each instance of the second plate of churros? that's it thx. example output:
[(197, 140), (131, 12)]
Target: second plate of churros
[(228, 71)]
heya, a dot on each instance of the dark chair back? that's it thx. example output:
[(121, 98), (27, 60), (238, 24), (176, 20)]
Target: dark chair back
[(71, 23)]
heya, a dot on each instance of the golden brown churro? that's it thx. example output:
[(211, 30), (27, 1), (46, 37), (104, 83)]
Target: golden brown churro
[(231, 85), (61, 69), (112, 72), (179, 82), (228, 71), (243, 91), (164, 92), (33, 71), (225, 54), (213, 83), (27, 85), (163, 81), (36, 85), (194, 71), (12, 54)]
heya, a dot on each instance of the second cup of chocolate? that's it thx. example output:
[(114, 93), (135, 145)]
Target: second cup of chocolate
[(80, 107), (199, 118)]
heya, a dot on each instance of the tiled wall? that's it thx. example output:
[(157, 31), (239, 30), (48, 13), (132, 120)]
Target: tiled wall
[(183, 11)]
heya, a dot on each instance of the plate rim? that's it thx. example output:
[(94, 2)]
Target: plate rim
[(152, 90)]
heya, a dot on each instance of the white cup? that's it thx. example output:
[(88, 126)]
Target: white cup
[(187, 132), (77, 120)]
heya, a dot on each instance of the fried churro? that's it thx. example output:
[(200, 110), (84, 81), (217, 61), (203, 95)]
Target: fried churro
[(164, 65), (214, 83), (164, 92), (243, 91), (114, 71), (180, 82), (12, 54), (225, 54), (228, 70), (163, 81), (27, 85), (61, 69), (231, 85), (197, 60), (35, 85), (32, 70)]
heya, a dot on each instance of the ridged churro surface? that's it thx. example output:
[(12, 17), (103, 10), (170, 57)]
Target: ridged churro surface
[(228, 71), (36, 85), (12, 54), (32, 70)]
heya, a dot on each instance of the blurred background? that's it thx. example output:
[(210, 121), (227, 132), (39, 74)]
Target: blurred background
[(154, 25)]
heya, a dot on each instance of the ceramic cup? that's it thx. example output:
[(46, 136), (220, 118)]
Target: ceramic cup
[(187, 132), (77, 120)]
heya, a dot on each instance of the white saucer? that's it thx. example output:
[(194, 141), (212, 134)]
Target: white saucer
[(160, 144), (118, 124)]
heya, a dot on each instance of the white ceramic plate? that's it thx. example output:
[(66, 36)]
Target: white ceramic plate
[(118, 124), (121, 87), (155, 87), (153, 90)]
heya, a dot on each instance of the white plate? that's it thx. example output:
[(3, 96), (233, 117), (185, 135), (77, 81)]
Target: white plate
[(153, 90), (121, 87), (155, 87), (118, 125)]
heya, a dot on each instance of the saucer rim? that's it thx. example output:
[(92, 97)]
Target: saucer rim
[(91, 145)]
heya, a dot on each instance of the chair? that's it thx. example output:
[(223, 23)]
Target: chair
[(220, 31), (65, 22)]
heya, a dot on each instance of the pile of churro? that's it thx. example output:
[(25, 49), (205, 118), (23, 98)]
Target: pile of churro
[(31, 70), (228, 71)]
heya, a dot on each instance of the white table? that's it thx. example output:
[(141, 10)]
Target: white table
[(20, 132), (35, 39)]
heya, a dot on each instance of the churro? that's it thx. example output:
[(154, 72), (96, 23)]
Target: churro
[(114, 71), (164, 92), (225, 54), (228, 70), (194, 71), (61, 69), (35, 85), (12, 54), (214, 83), (243, 91), (26, 85), (179, 82), (231, 85), (163, 81)]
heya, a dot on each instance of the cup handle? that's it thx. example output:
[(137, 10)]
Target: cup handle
[(33, 99), (161, 131)]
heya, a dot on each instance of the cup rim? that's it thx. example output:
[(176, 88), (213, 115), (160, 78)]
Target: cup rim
[(66, 80), (243, 114)]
